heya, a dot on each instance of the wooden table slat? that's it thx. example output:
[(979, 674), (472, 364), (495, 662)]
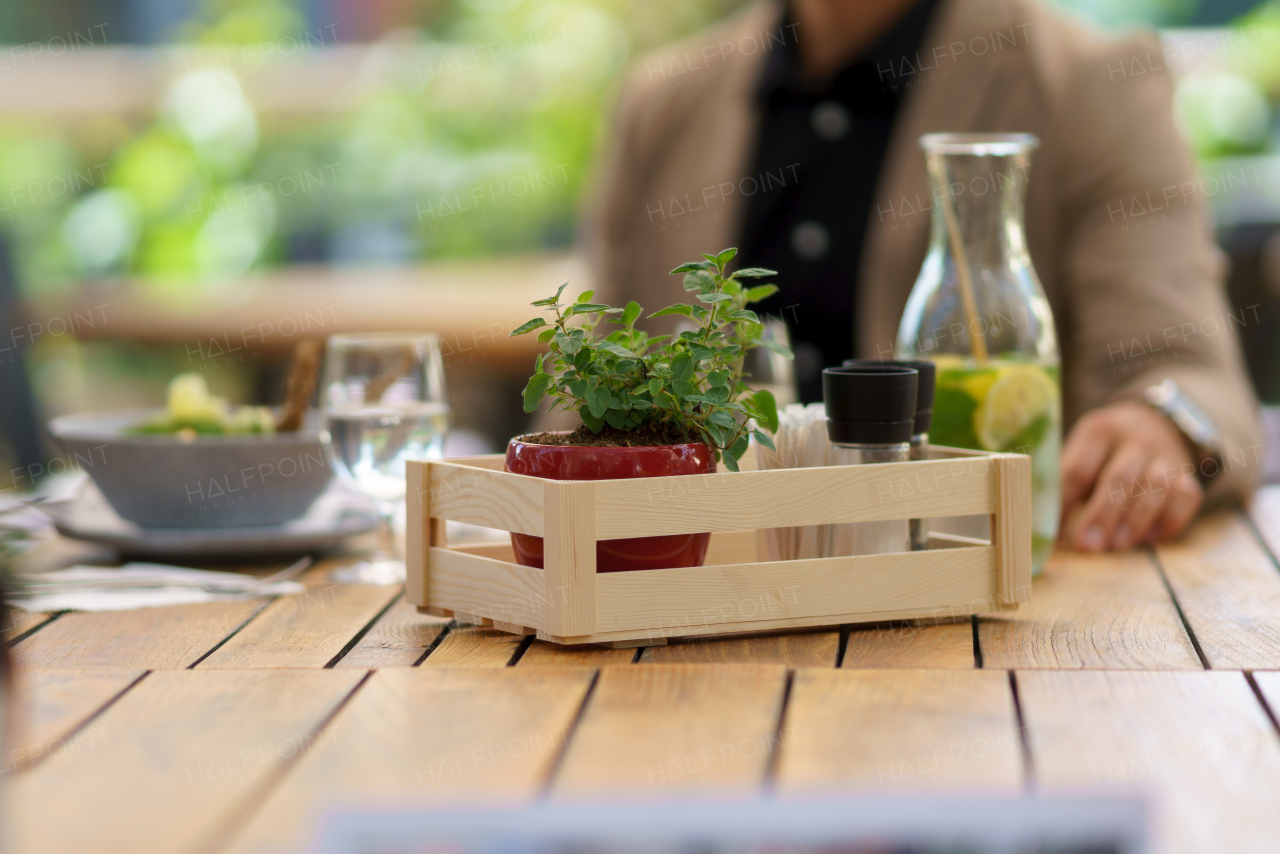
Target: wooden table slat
[(896, 730), (21, 622), (1264, 510), (51, 706), (306, 629), (911, 644), (473, 646), (180, 752), (168, 638), (1113, 696), (804, 649), (1099, 611), (399, 638), (1229, 590), (1197, 745), (583, 655), (668, 729), (423, 737)]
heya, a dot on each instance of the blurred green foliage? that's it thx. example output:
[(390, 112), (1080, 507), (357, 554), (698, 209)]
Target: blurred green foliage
[(1121, 13), (1226, 100), (476, 140)]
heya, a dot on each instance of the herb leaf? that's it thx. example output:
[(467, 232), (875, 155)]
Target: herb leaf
[(536, 390), (528, 326), (692, 382)]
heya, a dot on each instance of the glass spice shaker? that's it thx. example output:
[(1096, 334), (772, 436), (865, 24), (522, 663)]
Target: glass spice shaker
[(919, 430), (870, 417)]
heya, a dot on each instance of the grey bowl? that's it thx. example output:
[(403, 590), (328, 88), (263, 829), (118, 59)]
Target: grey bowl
[(210, 482)]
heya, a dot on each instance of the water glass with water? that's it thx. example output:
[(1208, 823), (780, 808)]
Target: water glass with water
[(383, 404)]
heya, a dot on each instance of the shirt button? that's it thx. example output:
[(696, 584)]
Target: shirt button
[(809, 240), (830, 120)]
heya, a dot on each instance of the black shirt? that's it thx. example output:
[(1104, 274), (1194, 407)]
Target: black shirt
[(817, 160)]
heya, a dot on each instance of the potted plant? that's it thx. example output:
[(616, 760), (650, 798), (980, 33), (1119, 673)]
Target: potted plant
[(651, 406)]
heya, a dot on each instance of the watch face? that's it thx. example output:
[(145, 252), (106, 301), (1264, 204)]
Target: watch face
[(1186, 415)]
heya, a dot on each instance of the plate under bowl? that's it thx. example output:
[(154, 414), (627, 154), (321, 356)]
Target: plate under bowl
[(338, 514)]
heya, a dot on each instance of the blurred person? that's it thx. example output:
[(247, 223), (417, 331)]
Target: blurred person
[(790, 131)]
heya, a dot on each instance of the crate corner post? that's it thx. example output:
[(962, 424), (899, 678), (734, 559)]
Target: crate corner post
[(1011, 528), (417, 531), (569, 537)]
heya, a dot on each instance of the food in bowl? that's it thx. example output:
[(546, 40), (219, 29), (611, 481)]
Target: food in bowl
[(192, 411)]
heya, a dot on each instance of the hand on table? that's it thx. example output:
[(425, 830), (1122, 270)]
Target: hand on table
[(1131, 474)]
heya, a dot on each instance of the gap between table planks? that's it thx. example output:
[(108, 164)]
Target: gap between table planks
[(586, 655), (794, 649), (911, 644), (420, 737), (307, 629), (180, 751), (899, 730), (667, 730), (474, 646), (1229, 590), (51, 708), (399, 638), (19, 623), (1198, 745), (1100, 611), (168, 638)]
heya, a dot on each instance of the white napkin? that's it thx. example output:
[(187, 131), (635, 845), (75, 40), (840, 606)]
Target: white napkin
[(801, 442), (105, 598), (380, 573)]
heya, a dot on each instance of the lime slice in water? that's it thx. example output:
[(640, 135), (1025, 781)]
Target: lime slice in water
[(1020, 396)]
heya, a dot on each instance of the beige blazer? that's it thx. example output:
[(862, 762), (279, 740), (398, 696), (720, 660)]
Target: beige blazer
[(1116, 224)]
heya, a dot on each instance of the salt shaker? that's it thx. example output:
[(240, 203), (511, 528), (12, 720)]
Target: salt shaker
[(919, 430), (870, 417)]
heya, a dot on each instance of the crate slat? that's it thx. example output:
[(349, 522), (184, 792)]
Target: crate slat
[(493, 462), (782, 498), (646, 637), (486, 587), (569, 551), (491, 499), (952, 581), (497, 551), (716, 599), (946, 452), (417, 533), (1011, 529)]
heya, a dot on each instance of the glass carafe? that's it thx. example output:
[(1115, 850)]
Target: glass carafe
[(978, 311)]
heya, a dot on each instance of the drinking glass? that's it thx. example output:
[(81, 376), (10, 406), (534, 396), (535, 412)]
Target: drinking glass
[(383, 403), (978, 310)]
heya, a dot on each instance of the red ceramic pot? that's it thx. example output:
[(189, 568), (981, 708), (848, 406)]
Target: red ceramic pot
[(570, 462)]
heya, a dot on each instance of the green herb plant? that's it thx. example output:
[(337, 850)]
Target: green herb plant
[(692, 382)]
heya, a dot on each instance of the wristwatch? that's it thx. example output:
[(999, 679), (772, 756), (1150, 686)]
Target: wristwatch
[(1192, 422)]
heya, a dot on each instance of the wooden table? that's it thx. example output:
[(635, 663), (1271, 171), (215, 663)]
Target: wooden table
[(229, 727)]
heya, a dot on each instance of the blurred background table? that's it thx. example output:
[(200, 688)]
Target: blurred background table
[(472, 305), (183, 171), (233, 726)]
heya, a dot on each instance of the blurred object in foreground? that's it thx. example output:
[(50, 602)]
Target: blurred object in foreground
[(852, 825)]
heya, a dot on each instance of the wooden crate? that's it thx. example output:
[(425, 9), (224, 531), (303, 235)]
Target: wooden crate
[(568, 602)]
